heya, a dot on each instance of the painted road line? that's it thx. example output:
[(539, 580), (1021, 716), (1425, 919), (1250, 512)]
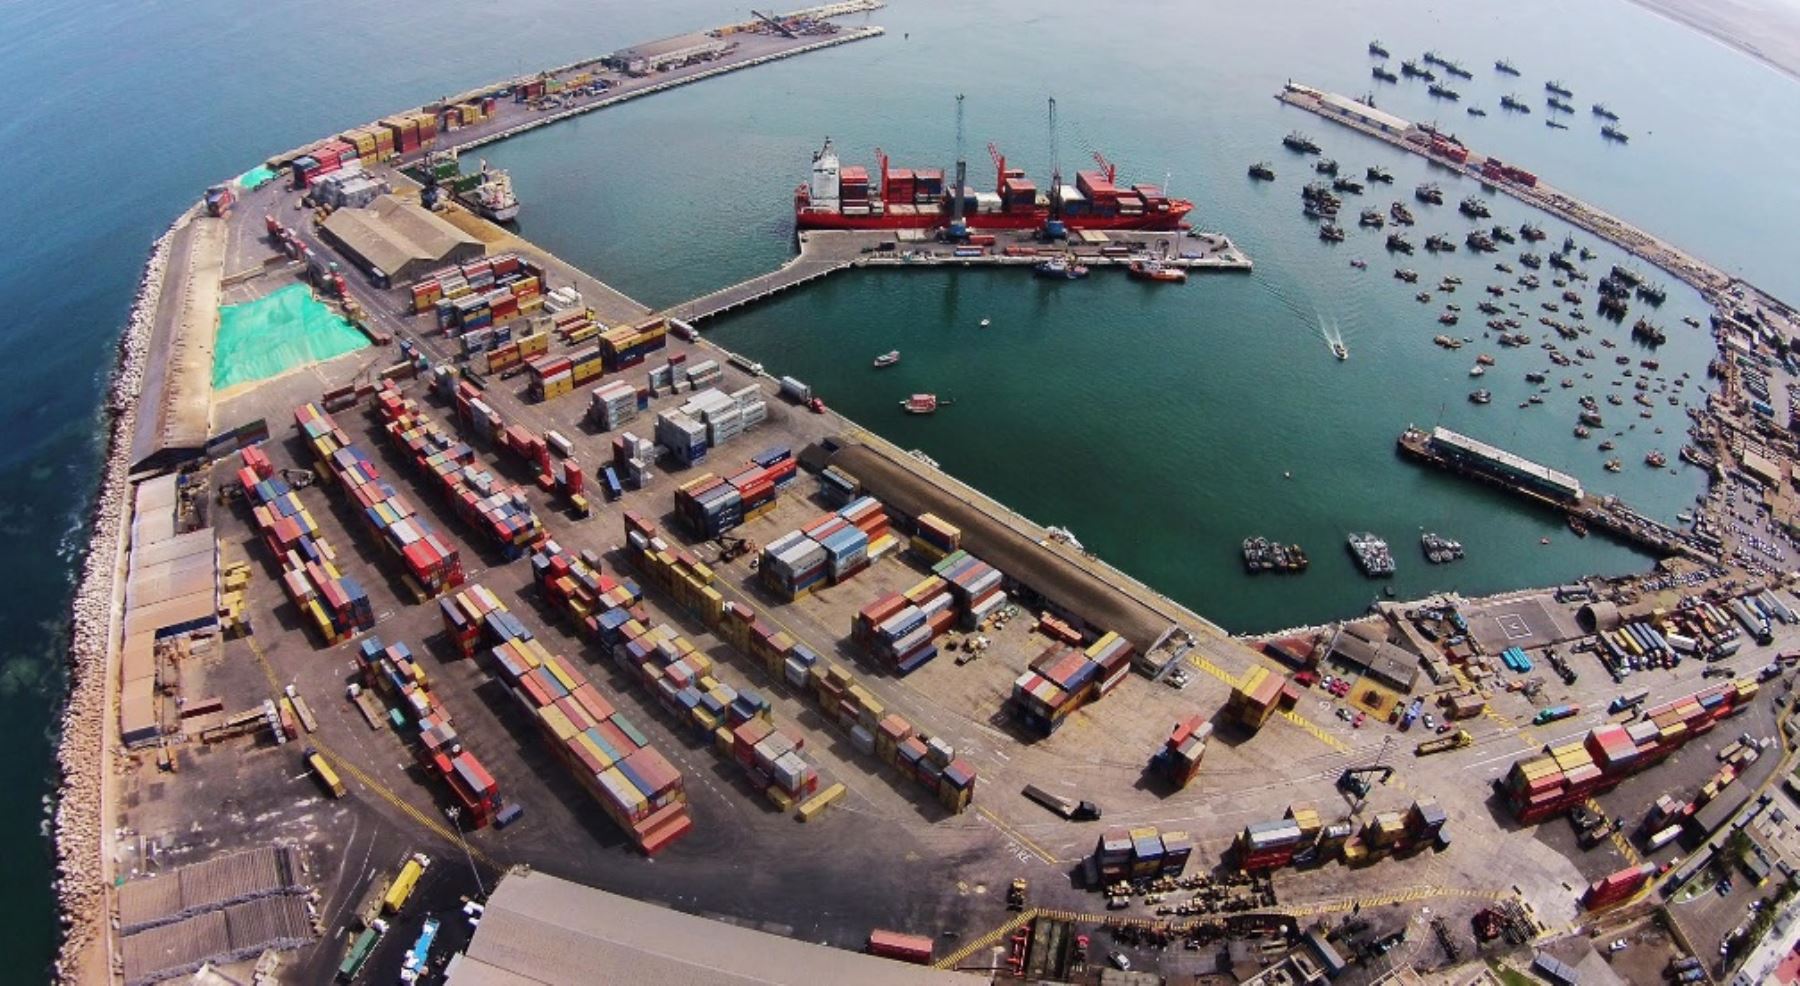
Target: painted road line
[(1318, 733), (1618, 838), (1194, 658), (1402, 896), (988, 940), (1014, 834)]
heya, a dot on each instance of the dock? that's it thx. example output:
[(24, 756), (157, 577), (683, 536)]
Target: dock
[(825, 252), (1605, 513), (1719, 288)]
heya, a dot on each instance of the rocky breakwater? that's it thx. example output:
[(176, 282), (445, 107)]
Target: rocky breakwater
[(87, 720)]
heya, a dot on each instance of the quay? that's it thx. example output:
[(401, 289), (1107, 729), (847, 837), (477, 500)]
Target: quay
[(1734, 297), (825, 252), (1464, 456)]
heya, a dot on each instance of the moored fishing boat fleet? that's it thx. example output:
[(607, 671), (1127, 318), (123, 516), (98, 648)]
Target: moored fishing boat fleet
[(1557, 96)]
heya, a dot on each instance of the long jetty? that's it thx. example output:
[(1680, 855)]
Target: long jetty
[(1719, 288)]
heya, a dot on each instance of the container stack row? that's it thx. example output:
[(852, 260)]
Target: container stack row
[(672, 568), (631, 460), (374, 143), (1125, 855), (637, 788), (565, 318), (498, 510), (578, 587), (710, 419), (433, 564), (336, 605), (611, 405), (935, 538), (466, 113), (411, 131), (1179, 759), (625, 346), (832, 548), (1548, 784), (736, 721), (551, 376), (503, 349), (456, 294), (1062, 679), (710, 505), (393, 672), (838, 487)]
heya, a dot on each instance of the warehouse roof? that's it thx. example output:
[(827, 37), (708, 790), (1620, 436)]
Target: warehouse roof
[(1044, 571), (668, 46), (394, 234), (541, 929), (175, 400), (1385, 662)]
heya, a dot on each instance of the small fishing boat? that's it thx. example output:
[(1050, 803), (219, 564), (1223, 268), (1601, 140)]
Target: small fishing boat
[(986, 322), (888, 358), (1151, 270), (923, 404)]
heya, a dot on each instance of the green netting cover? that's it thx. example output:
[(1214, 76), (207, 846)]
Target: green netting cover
[(267, 337), (256, 177)]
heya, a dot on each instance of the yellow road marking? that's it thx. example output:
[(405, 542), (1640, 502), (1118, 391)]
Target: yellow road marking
[(988, 940), (339, 763), (1318, 733), (1016, 835), (1402, 896), (1618, 837), (1209, 667)]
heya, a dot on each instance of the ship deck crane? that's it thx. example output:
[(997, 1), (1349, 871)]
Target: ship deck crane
[(1112, 172), (881, 159), (959, 230), (999, 168), (1054, 229)]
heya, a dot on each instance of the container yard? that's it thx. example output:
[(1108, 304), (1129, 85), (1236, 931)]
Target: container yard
[(704, 640)]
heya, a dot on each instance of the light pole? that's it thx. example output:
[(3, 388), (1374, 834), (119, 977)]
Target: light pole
[(455, 814)]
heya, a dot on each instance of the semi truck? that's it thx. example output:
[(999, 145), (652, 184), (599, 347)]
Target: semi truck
[(1067, 808), (1453, 741)]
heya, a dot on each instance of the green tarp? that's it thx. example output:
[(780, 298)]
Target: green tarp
[(256, 177), (267, 337)]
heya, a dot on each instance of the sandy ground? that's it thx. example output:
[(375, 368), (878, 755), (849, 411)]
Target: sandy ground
[(1767, 30)]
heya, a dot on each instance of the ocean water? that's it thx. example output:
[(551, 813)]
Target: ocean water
[(1157, 422)]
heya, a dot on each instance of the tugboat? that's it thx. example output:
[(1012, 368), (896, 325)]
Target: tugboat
[(1430, 193), (1480, 397), (1474, 208), (1505, 67), (1502, 235), (1347, 185), (1531, 233), (1407, 274), (1330, 232), (1372, 217), (1325, 166), (1151, 270), (1060, 269), (1514, 103), (1380, 174), (1413, 71), (1376, 49), (1262, 172), (1298, 141), (1578, 526), (1556, 88), (1442, 91), (923, 404), (1439, 243), (888, 358), (1648, 333), (1400, 214), (1612, 132), (1371, 554), (1603, 113), (1383, 74), (1439, 550), (1480, 242)]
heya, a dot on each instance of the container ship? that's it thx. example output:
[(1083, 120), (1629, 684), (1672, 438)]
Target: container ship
[(840, 197)]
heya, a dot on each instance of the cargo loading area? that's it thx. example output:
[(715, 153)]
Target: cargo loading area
[(554, 582)]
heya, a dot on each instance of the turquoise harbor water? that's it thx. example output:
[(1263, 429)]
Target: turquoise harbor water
[(1156, 422)]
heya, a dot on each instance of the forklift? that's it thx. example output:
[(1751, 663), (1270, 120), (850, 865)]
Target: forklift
[(1355, 781), (732, 548)]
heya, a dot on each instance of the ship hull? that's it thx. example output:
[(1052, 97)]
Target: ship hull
[(1169, 221)]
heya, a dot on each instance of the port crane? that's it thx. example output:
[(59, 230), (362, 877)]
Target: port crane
[(1053, 226), (779, 27), (959, 230)]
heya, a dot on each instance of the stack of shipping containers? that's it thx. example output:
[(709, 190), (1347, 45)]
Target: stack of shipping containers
[(555, 376), (672, 568), (642, 793), (625, 346), (1126, 855), (1550, 783), (1179, 759), (935, 538), (498, 510), (711, 506), (833, 547), (1062, 679), (335, 604), (393, 672), (431, 563), (480, 293), (613, 404)]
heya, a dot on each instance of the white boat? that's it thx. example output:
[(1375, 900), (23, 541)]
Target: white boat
[(920, 404), (985, 323), (1477, 370), (888, 358), (493, 197)]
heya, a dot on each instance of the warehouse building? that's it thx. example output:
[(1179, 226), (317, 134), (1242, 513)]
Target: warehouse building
[(1387, 663), (654, 56), (397, 241), (171, 596), (541, 929)]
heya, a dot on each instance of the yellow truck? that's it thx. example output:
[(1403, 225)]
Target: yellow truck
[(324, 773), (401, 890), (1452, 741)]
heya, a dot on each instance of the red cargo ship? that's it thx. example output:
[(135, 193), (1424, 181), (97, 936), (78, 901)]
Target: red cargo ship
[(840, 197)]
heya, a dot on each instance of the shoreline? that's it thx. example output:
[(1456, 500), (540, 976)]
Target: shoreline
[(84, 743), (1684, 15)]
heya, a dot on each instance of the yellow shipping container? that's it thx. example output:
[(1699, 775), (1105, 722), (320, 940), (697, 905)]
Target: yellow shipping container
[(811, 808)]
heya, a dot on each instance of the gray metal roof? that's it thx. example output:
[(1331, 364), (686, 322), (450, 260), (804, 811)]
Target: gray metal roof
[(541, 929), (393, 233)]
